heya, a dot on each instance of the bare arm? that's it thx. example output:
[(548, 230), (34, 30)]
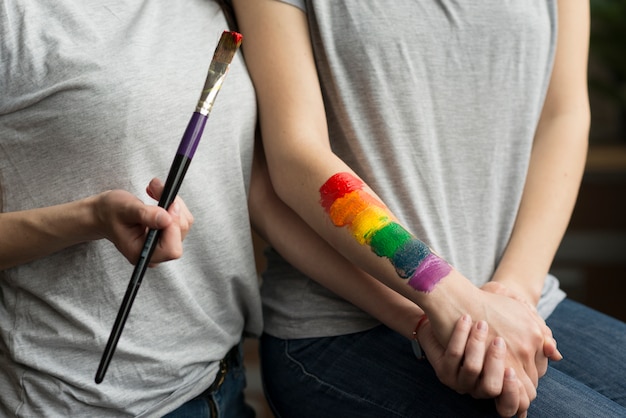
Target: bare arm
[(277, 224), (557, 160), (115, 215), (36, 233)]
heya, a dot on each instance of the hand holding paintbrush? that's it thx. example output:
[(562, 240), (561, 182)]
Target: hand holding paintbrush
[(224, 53)]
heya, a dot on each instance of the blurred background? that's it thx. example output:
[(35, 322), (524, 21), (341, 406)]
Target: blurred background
[(591, 261)]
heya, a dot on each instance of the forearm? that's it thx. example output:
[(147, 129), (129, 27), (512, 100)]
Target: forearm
[(553, 180), (308, 252), (557, 160), (32, 234), (302, 164), (362, 229)]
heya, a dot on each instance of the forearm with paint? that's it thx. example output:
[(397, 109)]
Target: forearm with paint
[(371, 223)]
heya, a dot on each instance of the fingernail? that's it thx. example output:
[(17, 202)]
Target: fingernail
[(556, 350), (466, 318), (481, 325), (498, 342), (559, 355)]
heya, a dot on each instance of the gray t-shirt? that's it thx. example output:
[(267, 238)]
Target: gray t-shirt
[(96, 96), (434, 105)]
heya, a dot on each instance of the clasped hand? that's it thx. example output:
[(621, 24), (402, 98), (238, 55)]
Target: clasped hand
[(502, 356), (125, 220)]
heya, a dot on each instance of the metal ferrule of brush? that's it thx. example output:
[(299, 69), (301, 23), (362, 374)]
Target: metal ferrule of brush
[(212, 86)]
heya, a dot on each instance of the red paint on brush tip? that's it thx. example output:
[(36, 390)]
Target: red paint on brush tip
[(237, 37)]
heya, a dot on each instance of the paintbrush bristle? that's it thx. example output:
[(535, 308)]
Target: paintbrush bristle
[(224, 53), (227, 47)]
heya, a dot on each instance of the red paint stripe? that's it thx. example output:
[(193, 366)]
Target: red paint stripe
[(337, 186)]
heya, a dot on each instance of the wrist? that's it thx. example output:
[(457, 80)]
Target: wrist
[(524, 289), (525, 279), (417, 348), (89, 218), (452, 298), (419, 324), (445, 297)]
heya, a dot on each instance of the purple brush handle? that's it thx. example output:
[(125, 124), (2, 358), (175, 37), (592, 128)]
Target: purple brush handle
[(193, 133)]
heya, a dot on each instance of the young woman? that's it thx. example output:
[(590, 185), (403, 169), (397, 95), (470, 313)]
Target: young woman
[(95, 99), (438, 146)]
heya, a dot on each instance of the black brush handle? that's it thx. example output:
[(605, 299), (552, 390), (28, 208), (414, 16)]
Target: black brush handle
[(174, 180), (181, 162)]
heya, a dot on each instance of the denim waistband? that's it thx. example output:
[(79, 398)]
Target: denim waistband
[(230, 360)]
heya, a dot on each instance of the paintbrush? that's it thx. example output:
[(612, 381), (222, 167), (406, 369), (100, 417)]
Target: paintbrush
[(224, 53)]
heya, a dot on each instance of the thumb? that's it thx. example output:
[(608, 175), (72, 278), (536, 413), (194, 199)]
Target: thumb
[(550, 350), (154, 217)]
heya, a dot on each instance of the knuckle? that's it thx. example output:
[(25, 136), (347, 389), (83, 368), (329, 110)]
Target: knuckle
[(542, 370), (177, 253), (506, 409), (471, 369), (454, 353), (490, 390), (524, 404)]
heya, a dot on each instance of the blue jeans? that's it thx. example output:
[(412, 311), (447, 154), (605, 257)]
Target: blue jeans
[(225, 400), (375, 374)]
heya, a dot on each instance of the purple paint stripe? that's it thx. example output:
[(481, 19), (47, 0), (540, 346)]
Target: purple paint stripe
[(430, 271), (192, 135)]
